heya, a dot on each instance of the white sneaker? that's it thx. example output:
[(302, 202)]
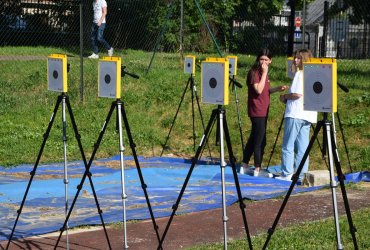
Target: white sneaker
[(285, 177), (93, 56), (263, 173), (110, 51)]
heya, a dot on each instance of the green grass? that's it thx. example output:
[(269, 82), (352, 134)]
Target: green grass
[(26, 106), (308, 235)]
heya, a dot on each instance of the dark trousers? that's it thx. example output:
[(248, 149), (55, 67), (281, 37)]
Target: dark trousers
[(97, 36), (256, 142)]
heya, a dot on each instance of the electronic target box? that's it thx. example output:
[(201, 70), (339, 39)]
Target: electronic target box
[(215, 81), (110, 77), (57, 73), (320, 85)]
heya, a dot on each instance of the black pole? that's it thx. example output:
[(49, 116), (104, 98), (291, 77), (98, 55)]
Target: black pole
[(81, 53), (325, 30), (291, 3)]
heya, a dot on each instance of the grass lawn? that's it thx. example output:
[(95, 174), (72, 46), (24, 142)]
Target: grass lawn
[(151, 102)]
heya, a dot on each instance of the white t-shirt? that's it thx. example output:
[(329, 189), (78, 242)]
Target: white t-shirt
[(98, 6), (294, 108)]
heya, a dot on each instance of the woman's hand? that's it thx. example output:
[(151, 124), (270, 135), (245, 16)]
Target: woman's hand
[(265, 67), (283, 88)]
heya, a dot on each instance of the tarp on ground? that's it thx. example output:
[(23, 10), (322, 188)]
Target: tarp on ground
[(44, 209)]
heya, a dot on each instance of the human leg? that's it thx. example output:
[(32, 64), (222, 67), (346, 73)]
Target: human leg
[(302, 142), (259, 130), (100, 37), (94, 35), (291, 130), (248, 149)]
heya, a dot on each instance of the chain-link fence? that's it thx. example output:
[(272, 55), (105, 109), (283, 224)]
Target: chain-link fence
[(329, 28), (333, 28)]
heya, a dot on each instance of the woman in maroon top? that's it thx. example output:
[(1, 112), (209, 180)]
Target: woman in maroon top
[(258, 107)]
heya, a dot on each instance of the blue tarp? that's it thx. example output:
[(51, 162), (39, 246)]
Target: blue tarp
[(44, 209)]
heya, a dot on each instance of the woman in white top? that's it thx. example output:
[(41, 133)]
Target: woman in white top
[(297, 122)]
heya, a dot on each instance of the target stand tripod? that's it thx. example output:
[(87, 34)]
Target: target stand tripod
[(330, 145), (218, 115), (62, 98), (121, 114), (234, 84), (191, 86)]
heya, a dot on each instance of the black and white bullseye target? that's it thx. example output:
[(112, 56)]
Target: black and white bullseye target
[(110, 77), (215, 81), (57, 73), (233, 65), (189, 65), (320, 85)]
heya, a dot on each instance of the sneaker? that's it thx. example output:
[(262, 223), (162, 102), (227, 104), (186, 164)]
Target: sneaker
[(285, 177), (263, 173), (243, 168), (110, 51), (93, 56)]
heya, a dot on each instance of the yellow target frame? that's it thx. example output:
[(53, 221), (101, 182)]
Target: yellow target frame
[(57, 63), (233, 61), (189, 69), (218, 94), (315, 70), (111, 67)]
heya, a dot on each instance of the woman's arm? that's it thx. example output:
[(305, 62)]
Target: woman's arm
[(279, 88), (259, 86), (291, 96)]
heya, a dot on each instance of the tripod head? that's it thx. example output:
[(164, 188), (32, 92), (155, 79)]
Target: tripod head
[(343, 87), (233, 83), (124, 72)]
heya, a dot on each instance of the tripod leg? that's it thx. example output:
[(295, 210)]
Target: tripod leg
[(321, 149), (344, 142), (192, 110), (123, 186), (194, 161), (65, 181), (143, 185), (33, 172), (277, 137), (239, 119), (333, 183), (294, 181), (174, 119), (236, 179), (78, 138), (223, 165), (87, 173), (200, 112), (341, 179)]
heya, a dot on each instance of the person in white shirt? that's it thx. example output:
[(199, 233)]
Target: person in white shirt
[(297, 122), (97, 28)]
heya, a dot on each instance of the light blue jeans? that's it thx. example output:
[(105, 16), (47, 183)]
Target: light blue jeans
[(295, 142)]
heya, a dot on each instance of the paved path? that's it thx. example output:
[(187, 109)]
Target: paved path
[(206, 227)]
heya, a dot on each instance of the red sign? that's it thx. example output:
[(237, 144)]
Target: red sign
[(298, 22)]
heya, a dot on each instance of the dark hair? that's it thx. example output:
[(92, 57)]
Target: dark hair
[(264, 52), (256, 65)]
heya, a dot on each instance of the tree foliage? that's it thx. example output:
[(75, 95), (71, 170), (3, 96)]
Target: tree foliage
[(360, 9)]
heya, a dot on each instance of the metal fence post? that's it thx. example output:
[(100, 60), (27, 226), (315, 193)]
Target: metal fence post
[(325, 29), (81, 53)]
